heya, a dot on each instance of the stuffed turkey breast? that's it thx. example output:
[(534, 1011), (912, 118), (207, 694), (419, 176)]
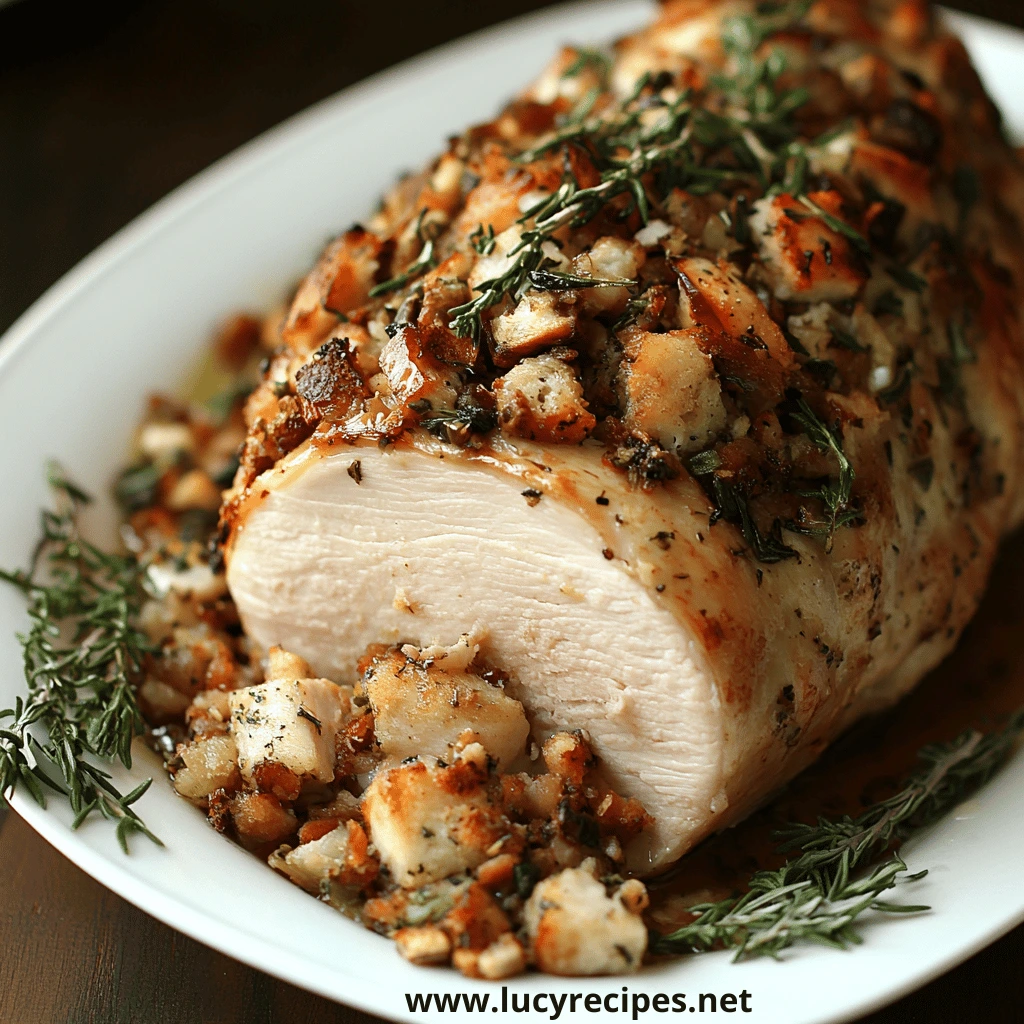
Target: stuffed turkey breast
[(689, 388)]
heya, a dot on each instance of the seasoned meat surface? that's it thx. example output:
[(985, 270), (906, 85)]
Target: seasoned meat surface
[(690, 387)]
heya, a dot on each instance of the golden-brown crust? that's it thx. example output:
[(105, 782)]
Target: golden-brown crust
[(877, 295)]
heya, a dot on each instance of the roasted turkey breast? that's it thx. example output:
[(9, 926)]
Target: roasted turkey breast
[(690, 388)]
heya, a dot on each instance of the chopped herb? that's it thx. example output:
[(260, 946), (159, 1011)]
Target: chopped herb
[(483, 241), (923, 471), (846, 340), (557, 281), (525, 876), (860, 243), (635, 308), (226, 475), (906, 278), (888, 303), (137, 486), (426, 259), (588, 58), (705, 462), (468, 416), (966, 189), (677, 147), (732, 505), (311, 718), (196, 524), (579, 825), (835, 494)]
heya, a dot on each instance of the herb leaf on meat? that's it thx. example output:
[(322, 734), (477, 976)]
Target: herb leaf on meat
[(638, 154), (835, 494)]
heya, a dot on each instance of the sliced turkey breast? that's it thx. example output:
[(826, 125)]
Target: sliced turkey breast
[(703, 679), (690, 388)]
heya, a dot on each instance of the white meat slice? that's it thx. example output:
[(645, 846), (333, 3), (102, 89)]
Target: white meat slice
[(317, 565)]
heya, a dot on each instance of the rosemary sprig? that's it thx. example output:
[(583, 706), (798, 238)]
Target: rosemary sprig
[(763, 923), (83, 656), (569, 205), (815, 897), (559, 281)]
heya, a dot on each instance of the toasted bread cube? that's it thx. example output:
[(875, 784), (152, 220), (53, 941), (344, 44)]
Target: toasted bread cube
[(541, 399), (672, 392), (211, 763), (261, 818), (714, 296), (340, 854), (424, 946), (312, 863), (338, 283), (428, 822), (503, 958), (420, 708), (576, 928), (290, 722), (539, 320), (610, 259), (805, 258)]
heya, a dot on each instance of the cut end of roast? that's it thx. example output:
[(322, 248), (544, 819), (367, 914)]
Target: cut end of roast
[(343, 548)]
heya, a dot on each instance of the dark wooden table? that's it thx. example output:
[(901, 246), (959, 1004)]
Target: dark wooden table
[(104, 107)]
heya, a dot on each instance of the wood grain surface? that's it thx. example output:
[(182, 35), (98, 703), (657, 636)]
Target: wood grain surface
[(104, 107)]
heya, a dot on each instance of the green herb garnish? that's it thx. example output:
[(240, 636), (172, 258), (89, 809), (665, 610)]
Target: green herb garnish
[(636, 153), (426, 259), (816, 897), (859, 242), (83, 656), (557, 281), (834, 494), (597, 60)]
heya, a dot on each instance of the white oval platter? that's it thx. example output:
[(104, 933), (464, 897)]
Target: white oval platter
[(133, 318)]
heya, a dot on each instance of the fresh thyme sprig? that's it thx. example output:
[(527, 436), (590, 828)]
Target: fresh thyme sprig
[(651, 141), (568, 206), (83, 655), (816, 897)]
